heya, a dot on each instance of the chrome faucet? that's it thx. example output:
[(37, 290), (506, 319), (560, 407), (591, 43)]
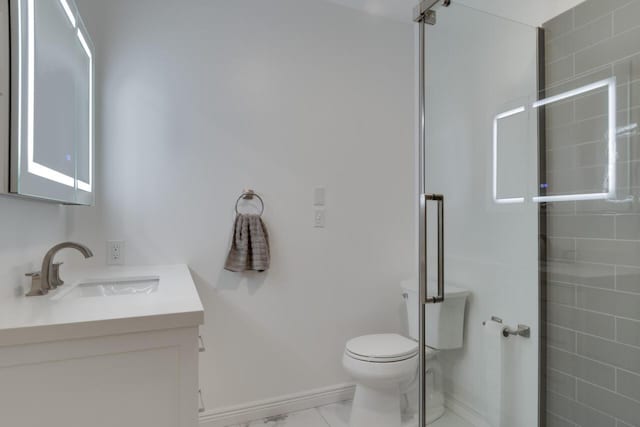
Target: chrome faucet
[(47, 278)]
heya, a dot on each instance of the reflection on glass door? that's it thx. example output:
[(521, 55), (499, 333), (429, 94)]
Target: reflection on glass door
[(482, 156)]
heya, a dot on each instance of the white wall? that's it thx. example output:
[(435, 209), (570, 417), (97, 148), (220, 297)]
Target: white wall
[(27, 230), (479, 66), (27, 227), (530, 12), (199, 99)]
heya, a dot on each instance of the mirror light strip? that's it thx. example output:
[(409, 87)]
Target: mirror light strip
[(84, 186), (574, 92), (511, 201), (571, 197), (83, 42), (69, 12), (51, 174), (613, 138), (20, 85), (32, 166), (30, 80), (87, 186), (501, 116)]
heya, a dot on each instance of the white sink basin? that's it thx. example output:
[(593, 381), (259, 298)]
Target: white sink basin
[(142, 285)]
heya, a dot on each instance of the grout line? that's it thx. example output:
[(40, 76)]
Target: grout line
[(612, 11), (584, 404), (608, 390), (576, 145), (614, 316), (567, 420), (617, 60), (579, 263), (583, 75), (626, 371), (575, 123), (597, 42), (610, 341), (317, 409), (612, 240), (613, 290)]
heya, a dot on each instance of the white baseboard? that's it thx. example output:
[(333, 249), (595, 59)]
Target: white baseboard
[(464, 411), (252, 411)]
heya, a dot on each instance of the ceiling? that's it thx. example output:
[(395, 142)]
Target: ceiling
[(531, 12)]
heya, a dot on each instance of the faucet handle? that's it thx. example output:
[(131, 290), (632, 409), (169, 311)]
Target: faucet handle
[(55, 275), (36, 288)]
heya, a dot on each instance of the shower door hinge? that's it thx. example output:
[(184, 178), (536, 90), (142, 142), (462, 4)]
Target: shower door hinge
[(428, 16), (424, 11)]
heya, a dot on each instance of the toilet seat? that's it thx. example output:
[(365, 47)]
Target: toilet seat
[(381, 348)]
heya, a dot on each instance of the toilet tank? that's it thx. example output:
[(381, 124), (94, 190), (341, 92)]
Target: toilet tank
[(444, 322)]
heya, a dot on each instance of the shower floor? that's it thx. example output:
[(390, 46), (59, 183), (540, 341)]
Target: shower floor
[(337, 415)]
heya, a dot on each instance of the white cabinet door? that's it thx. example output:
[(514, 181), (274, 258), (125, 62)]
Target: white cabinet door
[(134, 380)]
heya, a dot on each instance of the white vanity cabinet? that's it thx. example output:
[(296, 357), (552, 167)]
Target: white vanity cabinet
[(84, 358), (145, 379)]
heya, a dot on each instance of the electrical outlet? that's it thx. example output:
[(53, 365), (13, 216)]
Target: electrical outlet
[(319, 218), (115, 252)]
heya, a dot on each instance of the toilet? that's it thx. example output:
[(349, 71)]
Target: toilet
[(385, 366)]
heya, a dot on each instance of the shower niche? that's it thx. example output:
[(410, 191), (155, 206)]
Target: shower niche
[(47, 102)]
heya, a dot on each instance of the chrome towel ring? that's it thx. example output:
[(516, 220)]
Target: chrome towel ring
[(249, 195)]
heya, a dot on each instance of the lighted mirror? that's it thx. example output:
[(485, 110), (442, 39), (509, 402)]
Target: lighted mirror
[(52, 129), (564, 180)]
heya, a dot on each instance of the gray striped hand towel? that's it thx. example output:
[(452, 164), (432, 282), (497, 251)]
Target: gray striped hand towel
[(250, 245)]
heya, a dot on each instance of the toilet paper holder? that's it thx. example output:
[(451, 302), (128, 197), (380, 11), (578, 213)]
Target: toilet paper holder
[(521, 331)]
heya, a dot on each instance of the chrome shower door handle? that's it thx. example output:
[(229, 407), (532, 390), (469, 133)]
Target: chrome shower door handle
[(424, 199)]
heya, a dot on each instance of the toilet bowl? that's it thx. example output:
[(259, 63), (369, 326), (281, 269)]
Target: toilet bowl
[(385, 366)]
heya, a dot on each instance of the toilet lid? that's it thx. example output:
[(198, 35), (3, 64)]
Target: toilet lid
[(383, 347)]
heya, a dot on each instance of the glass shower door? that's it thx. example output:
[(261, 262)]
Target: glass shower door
[(481, 163), (530, 207)]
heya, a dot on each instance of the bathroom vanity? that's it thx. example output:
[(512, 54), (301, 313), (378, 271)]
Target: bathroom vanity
[(112, 347)]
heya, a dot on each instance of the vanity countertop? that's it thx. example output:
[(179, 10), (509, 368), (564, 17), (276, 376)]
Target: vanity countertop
[(175, 304)]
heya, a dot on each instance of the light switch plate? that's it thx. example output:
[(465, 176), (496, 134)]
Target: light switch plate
[(319, 196)]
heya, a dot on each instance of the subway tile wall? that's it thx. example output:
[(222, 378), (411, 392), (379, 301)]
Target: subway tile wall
[(593, 247)]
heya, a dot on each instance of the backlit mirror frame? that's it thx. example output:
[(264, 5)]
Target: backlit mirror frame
[(27, 176), (612, 132)]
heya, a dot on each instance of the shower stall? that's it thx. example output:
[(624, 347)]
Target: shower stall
[(529, 153)]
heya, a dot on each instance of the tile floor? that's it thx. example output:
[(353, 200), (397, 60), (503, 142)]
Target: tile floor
[(337, 415)]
